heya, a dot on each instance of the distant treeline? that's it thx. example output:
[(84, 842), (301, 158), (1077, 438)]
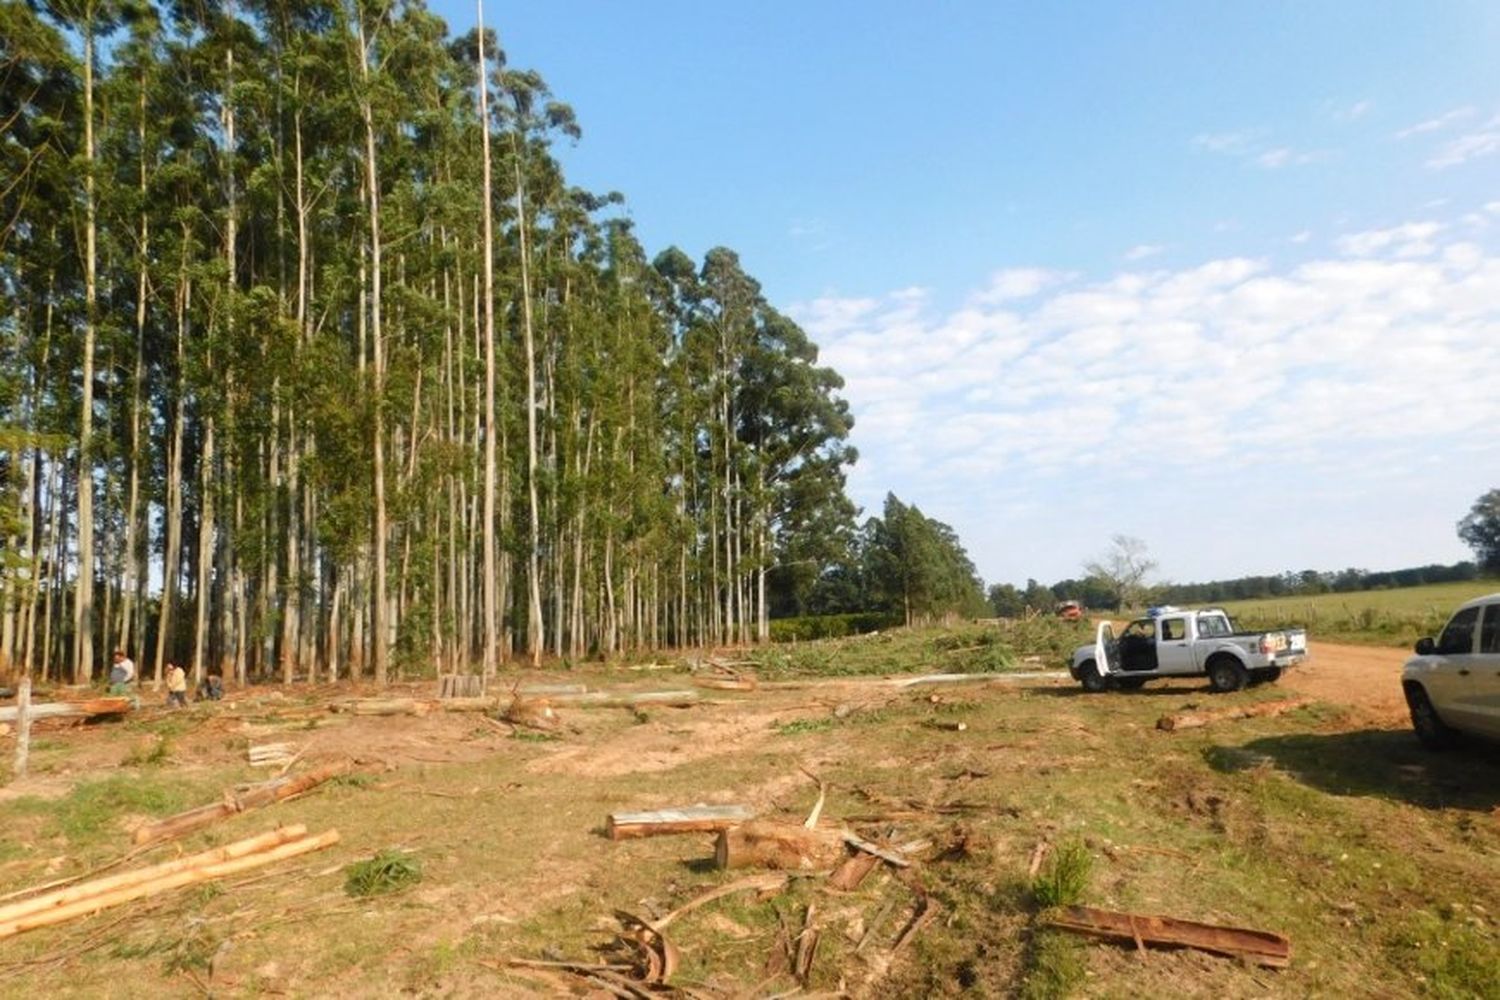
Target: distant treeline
[(1007, 600)]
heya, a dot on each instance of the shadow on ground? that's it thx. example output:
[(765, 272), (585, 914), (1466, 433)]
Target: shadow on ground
[(1389, 763)]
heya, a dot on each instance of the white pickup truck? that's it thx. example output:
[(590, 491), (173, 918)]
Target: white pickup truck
[(1176, 643)]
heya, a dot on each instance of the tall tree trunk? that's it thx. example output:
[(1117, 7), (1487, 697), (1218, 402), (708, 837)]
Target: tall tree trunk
[(379, 627), (488, 591), (83, 604)]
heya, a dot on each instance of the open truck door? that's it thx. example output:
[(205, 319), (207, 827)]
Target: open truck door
[(1105, 648)]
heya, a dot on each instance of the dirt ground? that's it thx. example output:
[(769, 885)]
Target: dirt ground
[(1366, 679), (1329, 824)]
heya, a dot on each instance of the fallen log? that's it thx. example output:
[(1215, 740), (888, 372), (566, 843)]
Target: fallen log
[(1260, 947), (742, 683), (235, 802), (627, 699), (383, 706), (1194, 720), (926, 679), (69, 709), (176, 880), (687, 819), (548, 690), (779, 846), (87, 890)]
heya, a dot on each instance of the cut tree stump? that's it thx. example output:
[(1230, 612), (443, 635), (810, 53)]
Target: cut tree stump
[(779, 846), (1259, 947), (460, 686), (1195, 720), (687, 819)]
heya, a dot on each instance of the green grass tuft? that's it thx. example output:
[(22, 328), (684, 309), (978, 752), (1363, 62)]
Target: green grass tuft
[(386, 872)]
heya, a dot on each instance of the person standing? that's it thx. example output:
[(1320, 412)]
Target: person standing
[(176, 685), (122, 674)]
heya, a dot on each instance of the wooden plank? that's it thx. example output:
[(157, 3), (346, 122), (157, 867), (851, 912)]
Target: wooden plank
[(685, 819), (1260, 947), (1194, 720)]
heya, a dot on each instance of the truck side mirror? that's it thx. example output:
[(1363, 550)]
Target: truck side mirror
[(1425, 646)]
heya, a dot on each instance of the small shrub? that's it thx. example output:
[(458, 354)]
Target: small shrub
[(1065, 877), (386, 872), (149, 754), (1054, 967)]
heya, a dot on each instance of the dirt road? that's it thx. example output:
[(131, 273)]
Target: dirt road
[(1366, 678)]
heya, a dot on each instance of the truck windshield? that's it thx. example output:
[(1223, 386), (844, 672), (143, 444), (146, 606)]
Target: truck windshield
[(1210, 626)]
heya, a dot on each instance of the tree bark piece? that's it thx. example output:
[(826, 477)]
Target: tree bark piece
[(70, 709), (779, 846), (859, 843), (685, 819), (1260, 947), (851, 874), (189, 876), (1195, 720), (757, 883), (253, 797)]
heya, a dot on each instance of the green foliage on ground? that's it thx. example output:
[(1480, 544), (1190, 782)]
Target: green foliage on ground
[(389, 871), (811, 627), (1037, 643)]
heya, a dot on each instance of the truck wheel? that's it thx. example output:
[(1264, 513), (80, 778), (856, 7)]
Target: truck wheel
[(1432, 732), (1092, 680), (1131, 683), (1226, 674)]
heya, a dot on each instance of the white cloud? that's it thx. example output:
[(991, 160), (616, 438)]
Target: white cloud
[(1411, 239), (1143, 250), (1484, 141), (1233, 143), (1356, 110), (1340, 366), (1442, 121), (1016, 283), (1282, 156), (1300, 237)]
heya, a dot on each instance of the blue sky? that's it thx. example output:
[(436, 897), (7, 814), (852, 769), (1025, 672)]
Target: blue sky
[(1224, 277)]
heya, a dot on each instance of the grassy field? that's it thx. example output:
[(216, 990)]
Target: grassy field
[(1386, 617), (1381, 862)]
